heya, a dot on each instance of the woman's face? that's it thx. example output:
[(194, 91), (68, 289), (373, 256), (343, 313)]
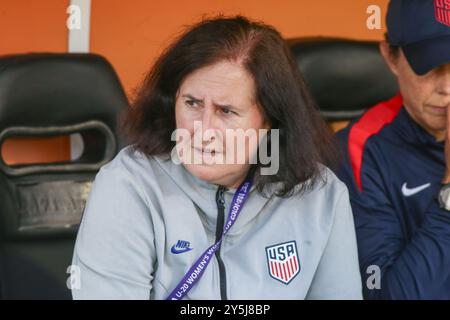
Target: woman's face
[(426, 97), (212, 103)]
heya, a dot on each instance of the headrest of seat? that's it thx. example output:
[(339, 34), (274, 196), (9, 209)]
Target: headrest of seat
[(345, 77), (49, 94), (51, 89)]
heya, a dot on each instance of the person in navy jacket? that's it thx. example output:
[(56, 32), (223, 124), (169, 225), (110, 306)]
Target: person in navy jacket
[(397, 161)]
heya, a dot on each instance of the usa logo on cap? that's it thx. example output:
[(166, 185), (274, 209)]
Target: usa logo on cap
[(282, 261), (442, 11)]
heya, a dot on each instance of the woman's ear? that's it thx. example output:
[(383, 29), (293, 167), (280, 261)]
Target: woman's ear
[(391, 61)]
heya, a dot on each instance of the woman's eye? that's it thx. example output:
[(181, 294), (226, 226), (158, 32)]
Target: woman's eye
[(190, 103), (227, 111)]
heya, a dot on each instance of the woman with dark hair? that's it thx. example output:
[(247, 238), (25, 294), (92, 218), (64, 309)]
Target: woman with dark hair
[(186, 212)]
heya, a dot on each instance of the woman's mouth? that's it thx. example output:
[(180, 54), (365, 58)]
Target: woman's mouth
[(438, 110), (205, 151)]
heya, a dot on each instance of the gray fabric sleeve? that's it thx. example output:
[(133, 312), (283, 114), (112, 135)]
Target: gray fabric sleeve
[(114, 250), (338, 275)]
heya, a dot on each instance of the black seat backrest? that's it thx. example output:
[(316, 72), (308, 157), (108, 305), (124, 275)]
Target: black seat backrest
[(46, 95)]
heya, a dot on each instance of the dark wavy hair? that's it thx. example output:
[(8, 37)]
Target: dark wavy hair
[(305, 139)]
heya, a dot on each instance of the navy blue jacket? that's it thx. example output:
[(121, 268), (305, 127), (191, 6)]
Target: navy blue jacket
[(393, 169)]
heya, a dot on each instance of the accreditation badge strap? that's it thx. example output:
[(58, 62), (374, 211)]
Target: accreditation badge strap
[(196, 271)]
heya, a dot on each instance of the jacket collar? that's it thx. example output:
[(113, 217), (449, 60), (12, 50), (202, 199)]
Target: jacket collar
[(203, 195), (412, 133)]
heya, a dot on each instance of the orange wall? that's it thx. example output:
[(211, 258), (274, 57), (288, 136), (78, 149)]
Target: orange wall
[(30, 26), (33, 25), (130, 34)]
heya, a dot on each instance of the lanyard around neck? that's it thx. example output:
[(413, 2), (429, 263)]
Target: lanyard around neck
[(194, 274)]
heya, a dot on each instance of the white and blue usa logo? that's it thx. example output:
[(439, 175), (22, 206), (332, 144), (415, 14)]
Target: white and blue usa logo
[(282, 261)]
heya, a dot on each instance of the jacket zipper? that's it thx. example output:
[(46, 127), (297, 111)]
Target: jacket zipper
[(220, 201)]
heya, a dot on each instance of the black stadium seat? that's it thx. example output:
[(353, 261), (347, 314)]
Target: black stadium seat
[(344, 76), (46, 95)]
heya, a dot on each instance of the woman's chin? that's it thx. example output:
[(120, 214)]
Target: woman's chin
[(208, 173)]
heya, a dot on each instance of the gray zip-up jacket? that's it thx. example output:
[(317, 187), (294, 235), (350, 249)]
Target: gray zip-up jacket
[(147, 220)]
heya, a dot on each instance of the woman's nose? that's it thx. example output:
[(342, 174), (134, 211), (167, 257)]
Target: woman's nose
[(206, 130), (209, 119)]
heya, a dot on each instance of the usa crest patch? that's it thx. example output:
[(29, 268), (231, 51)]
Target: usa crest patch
[(283, 261), (442, 11)]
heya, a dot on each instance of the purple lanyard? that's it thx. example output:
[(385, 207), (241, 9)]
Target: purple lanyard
[(196, 271)]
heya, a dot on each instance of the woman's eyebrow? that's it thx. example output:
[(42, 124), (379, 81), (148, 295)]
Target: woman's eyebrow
[(228, 106), (189, 96)]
